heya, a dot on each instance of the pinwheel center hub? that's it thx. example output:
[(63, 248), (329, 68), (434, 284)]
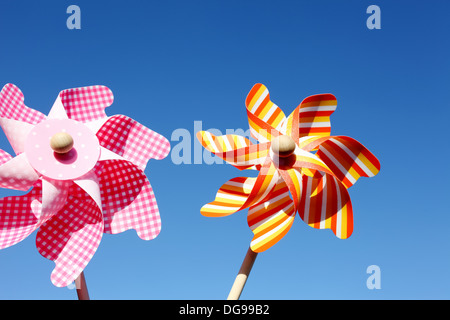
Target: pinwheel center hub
[(61, 142), (283, 146), (62, 149)]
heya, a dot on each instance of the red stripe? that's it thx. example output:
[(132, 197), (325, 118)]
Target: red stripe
[(341, 156), (306, 130), (268, 213), (262, 106)]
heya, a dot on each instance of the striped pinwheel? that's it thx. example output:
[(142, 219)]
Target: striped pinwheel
[(301, 169), (86, 171)]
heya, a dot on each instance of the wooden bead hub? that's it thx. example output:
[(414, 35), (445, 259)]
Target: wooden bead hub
[(61, 142), (283, 146)]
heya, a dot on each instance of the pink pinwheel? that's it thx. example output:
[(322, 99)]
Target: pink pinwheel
[(94, 184)]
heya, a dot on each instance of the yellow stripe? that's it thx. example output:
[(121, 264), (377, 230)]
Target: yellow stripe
[(266, 109), (368, 164), (273, 223), (255, 214), (258, 129), (278, 120), (315, 119), (229, 201), (344, 222), (272, 239)]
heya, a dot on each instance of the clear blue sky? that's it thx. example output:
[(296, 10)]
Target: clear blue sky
[(170, 63)]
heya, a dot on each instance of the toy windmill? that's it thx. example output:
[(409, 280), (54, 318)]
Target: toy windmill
[(301, 169), (86, 171)]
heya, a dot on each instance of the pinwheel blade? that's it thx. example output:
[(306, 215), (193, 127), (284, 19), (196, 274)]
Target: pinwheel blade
[(314, 115), (17, 174), (241, 193), (348, 159), (132, 141), (128, 200), (271, 219), (235, 150), (86, 104), (16, 132), (71, 237), (265, 118), (12, 106), (230, 198), (325, 204), (19, 217)]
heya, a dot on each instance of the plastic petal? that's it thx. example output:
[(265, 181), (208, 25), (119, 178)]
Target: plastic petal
[(235, 150), (19, 217), (16, 132), (86, 103), (18, 174), (271, 219), (314, 115), (325, 204), (128, 200), (71, 237), (348, 159), (12, 106), (265, 118), (240, 193), (133, 141)]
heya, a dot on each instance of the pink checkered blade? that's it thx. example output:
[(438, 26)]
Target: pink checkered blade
[(54, 196), (12, 106), (4, 157), (133, 141), (71, 237), (89, 183), (87, 103), (19, 217), (128, 200), (16, 132), (17, 174)]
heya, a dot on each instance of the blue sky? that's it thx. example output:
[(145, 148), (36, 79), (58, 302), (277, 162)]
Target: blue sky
[(170, 63)]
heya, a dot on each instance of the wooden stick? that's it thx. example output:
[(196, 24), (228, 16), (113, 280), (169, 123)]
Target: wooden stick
[(80, 284), (242, 276)]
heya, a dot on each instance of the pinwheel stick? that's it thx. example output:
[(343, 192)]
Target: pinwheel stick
[(242, 276), (80, 284)]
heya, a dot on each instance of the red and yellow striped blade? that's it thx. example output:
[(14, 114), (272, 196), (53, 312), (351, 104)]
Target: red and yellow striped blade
[(308, 163), (234, 149), (325, 204), (293, 180), (348, 159), (264, 116), (314, 115), (271, 220), (230, 198), (240, 193), (310, 143), (290, 126)]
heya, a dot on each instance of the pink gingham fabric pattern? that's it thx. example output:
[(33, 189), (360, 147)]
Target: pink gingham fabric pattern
[(19, 217), (68, 214), (71, 237), (12, 106), (128, 200), (17, 174), (87, 103), (132, 140), (4, 157)]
